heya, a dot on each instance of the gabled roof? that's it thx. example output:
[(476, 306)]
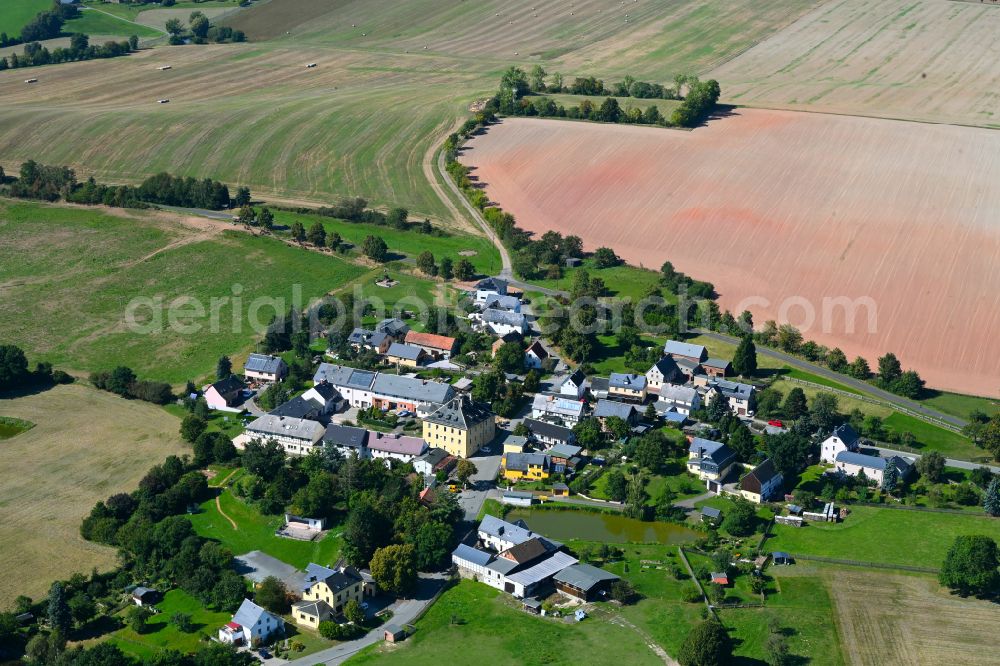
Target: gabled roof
[(526, 551), (846, 434), (629, 381), (578, 377), (715, 451), (718, 363), (341, 375), (408, 352), (583, 576), (502, 302), (286, 426), (537, 349), (412, 388), (666, 365), (564, 450), (514, 532), (548, 430), (684, 349), (249, 612), (359, 336), (492, 284), (392, 326), (543, 569), (320, 609), (299, 408), (733, 389), (377, 339), (861, 460), (494, 316), (433, 456), (345, 436), (264, 363), (473, 555), (607, 408), (557, 404), (760, 475), (230, 384), (325, 391), (442, 342), (598, 384), (675, 393), (461, 412), (519, 462), (336, 579), (393, 443), (711, 512)]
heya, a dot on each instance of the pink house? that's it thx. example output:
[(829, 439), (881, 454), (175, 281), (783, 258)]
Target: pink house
[(226, 394)]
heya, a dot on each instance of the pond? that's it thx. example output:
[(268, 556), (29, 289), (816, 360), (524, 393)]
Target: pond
[(565, 525)]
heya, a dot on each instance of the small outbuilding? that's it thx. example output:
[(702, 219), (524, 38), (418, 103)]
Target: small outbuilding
[(532, 605), (145, 596), (710, 515), (781, 557), (560, 490), (394, 633), (720, 578)]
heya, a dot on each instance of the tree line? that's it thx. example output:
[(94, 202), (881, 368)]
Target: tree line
[(16, 375), (46, 24), (80, 48), (124, 382)]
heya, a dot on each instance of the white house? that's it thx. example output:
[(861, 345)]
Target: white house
[(397, 447), (265, 368), (325, 394), (762, 483), (347, 440), (575, 385), (535, 355), (251, 625), (296, 436), (489, 287), (680, 399), (501, 322), (852, 464), (741, 397), (557, 408), (664, 371), (843, 438)]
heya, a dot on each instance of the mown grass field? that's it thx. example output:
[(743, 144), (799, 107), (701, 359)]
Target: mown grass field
[(161, 634), (94, 22), (16, 13), (85, 446), (68, 275)]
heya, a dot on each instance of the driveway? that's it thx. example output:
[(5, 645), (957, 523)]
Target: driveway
[(257, 566), (480, 483), (404, 611)]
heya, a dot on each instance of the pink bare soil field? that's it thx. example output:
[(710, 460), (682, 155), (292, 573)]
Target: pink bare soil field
[(781, 205)]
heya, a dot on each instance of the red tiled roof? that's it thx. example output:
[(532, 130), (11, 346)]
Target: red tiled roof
[(430, 340)]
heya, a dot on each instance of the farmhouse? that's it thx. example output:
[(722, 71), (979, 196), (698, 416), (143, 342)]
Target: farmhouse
[(501, 322), (460, 427), (664, 371), (680, 399), (393, 446), (535, 355), (549, 433), (708, 460), (438, 346), (762, 483), (583, 581), (717, 367), (251, 625), (853, 464), (489, 287), (575, 385), (557, 408), (741, 397), (296, 436), (627, 387), (346, 440), (404, 354), (226, 394), (683, 350), (265, 368), (361, 388), (843, 438), (525, 467)]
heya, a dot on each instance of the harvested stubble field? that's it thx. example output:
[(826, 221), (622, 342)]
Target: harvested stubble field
[(367, 119), (929, 60), (788, 207), (890, 619), (87, 445)]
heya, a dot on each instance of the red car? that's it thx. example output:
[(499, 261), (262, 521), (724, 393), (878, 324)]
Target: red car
[(776, 423)]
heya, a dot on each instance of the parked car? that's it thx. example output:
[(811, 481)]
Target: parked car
[(264, 652), (776, 423), (404, 412)]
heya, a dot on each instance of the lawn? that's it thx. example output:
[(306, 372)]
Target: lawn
[(887, 536), (960, 405), (412, 294), (87, 445), (17, 13), (475, 623), (624, 281), (256, 532), (73, 276), (93, 22), (161, 634), (675, 477), (931, 436)]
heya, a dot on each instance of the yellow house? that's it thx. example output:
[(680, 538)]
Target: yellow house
[(325, 593), (515, 444), (525, 467), (460, 427)]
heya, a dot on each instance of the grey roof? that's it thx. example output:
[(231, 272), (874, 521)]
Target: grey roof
[(549, 430), (503, 302), (557, 404), (544, 569), (762, 473), (627, 381), (299, 408), (360, 336), (606, 408), (408, 352), (492, 283), (564, 451), (674, 417), (667, 366), (336, 579), (326, 390), (686, 364), (538, 349), (502, 565), (684, 349), (674, 393), (263, 363), (733, 389), (518, 494), (599, 384), (719, 363), (494, 316), (716, 451), (249, 612), (346, 436), (846, 434), (286, 426), (520, 461), (862, 460), (321, 609), (461, 412), (433, 456), (583, 576), (711, 512), (392, 326), (412, 388), (474, 555), (378, 337), (230, 384), (340, 375), (578, 377), (513, 532)]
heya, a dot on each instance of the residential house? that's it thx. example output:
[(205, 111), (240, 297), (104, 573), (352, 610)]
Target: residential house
[(386, 446), (404, 354), (500, 302), (516, 467), (361, 388), (513, 336), (683, 350), (490, 287), (627, 387), (501, 322), (347, 440), (664, 371), (359, 338), (605, 409), (461, 426), (301, 408), (679, 399), (265, 368), (688, 369), (741, 397), (433, 461), (557, 408), (332, 588), (708, 460), (575, 386), (549, 434), (252, 626), (853, 464), (564, 457), (843, 438), (393, 327), (515, 444), (145, 596), (583, 581), (762, 483), (599, 387), (325, 394), (717, 367), (438, 346), (297, 437), (226, 395), (535, 355)]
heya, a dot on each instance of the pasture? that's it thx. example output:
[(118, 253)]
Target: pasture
[(98, 22), (790, 215), (913, 59), (17, 13), (85, 446), (69, 274), (160, 634)]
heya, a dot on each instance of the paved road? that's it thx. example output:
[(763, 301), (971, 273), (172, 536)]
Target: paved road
[(949, 462), (226, 215), (856, 384), (404, 612)]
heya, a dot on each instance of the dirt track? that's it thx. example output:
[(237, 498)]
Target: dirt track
[(790, 208)]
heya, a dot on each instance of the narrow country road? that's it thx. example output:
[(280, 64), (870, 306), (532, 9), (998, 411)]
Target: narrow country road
[(949, 462), (857, 384)]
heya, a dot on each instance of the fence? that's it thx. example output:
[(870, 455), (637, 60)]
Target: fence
[(859, 563)]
